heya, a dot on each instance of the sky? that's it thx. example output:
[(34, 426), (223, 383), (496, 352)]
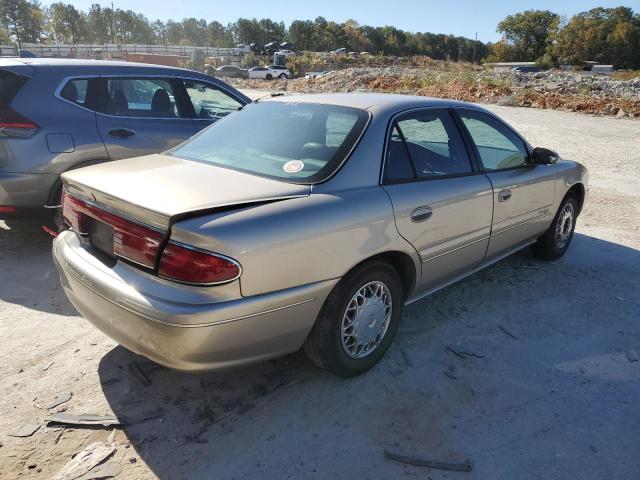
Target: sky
[(457, 17)]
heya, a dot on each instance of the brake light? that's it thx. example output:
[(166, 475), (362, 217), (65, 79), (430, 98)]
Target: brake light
[(12, 124), (188, 265), (131, 240)]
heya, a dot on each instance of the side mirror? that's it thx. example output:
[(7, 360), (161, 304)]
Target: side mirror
[(544, 156)]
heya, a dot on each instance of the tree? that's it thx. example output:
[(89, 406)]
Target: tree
[(98, 21), (22, 19), (526, 36), (301, 34), (65, 24), (606, 35)]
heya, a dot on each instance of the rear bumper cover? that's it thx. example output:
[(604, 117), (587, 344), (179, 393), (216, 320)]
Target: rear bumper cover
[(27, 192), (186, 335)]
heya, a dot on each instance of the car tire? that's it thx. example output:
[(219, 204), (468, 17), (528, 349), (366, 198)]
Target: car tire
[(269, 76), (332, 346), (283, 76), (556, 240)]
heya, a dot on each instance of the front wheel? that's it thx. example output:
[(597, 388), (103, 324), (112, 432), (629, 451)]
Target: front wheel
[(283, 76), (555, 241), (358, 320)]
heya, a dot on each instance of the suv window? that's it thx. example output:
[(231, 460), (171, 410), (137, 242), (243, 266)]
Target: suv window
[(209, 102), (140, 97), (498, 147), (431, 141), (76, 91)]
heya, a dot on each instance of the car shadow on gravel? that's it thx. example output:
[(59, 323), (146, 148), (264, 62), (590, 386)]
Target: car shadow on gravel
[(178, 422), (29, 277)]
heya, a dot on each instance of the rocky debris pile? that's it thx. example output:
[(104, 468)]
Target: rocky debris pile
[(574, 91)]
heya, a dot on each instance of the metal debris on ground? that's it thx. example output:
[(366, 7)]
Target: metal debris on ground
[(58, 400), (137, 372), (507, 332), (462, 354), (85, 461), (47, 366), (467, 466), (84, 419), (26, 430)]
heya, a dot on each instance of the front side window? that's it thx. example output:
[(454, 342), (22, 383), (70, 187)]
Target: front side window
[(208, 102), (297, 142), (140, 97), (430, 141), (498, 147)]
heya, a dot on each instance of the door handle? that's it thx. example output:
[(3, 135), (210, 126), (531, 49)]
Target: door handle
[(421, 214), (504, 195), (122, 132)]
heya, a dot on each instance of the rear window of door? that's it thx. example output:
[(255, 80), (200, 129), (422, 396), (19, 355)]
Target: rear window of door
[(140, 97), (425, 144), (209, 102), (497, 146)]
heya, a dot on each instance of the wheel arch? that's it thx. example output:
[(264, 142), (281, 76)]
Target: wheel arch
[(402, 263), (57, 185), (578, 191)]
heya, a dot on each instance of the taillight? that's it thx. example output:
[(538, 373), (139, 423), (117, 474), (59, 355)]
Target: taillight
[(12, 124), (131, 240), (188, 265)]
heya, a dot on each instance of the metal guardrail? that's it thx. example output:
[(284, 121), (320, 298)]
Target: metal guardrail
[(111, 49)]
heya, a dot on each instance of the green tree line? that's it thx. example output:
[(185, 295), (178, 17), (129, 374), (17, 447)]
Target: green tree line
[(605, 35)]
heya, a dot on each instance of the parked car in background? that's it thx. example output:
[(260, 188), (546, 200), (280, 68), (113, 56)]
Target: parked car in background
[(281, 71), (57, 115), (232, 71), (264, 73), (314, 231)]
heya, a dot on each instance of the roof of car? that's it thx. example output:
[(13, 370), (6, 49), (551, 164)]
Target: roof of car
[(372, 101), (40, 62)]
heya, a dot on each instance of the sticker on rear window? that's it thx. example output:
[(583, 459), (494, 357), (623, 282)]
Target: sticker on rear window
[(293, 166)]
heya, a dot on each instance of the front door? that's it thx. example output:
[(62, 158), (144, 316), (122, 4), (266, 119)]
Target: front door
[(523, 193), (442, 206), (142, 115), (209, 102)]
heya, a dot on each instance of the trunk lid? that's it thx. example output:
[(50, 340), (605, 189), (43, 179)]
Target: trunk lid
[(157, 189)]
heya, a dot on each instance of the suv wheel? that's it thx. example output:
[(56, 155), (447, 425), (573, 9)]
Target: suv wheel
[(283, 76), (269, 76), (358, 320)]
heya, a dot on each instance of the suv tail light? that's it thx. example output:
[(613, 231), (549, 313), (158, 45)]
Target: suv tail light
[(189, 265), (12, 124), (131, 240)]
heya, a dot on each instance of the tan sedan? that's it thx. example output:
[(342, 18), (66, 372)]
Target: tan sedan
[(305, 221)]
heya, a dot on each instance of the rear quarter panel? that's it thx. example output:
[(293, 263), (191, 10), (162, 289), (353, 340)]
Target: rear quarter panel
[(299, 241)]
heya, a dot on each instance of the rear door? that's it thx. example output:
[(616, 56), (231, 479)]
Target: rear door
[(209, 102), (523, 193), (142, 115), (442, 204)]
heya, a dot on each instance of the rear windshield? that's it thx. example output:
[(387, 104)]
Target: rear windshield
[(296, 142)]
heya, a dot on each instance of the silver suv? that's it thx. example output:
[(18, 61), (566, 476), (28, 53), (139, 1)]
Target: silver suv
[(57, 115)]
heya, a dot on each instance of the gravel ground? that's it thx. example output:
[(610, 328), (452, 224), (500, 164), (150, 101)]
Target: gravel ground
[(552, 392)]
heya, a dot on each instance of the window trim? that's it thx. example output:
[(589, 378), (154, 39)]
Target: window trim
[(392, 122), (57, 92), (478, 160)]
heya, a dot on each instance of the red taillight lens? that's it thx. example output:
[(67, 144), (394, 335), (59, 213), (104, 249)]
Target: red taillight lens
[(196, 266), (132, 241), (12, 124)]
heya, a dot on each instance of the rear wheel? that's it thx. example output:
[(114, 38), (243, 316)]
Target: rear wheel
[(283, 76), (269, 76), (358, 320), (555, 241)]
